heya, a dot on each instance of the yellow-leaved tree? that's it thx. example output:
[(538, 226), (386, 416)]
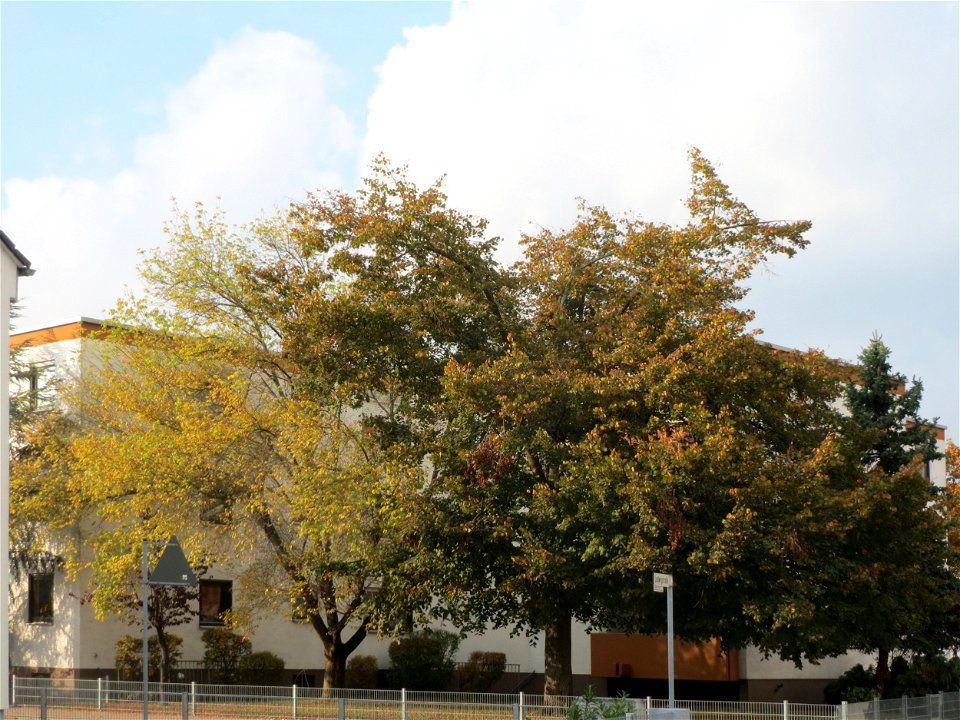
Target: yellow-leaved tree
[(188, 421)]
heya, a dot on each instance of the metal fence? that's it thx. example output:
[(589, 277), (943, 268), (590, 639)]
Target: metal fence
[(943, 706), (66, 699)]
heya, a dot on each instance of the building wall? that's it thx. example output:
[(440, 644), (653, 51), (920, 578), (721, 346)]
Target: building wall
[(77, 641), (12, 266)]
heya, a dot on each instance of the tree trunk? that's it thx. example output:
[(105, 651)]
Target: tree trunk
[(164, 654), (335, 654), (883, 670), (558, 677), (335, 666)]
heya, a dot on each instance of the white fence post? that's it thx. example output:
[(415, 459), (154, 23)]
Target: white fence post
[(13, 691), (786, 710), (294, 695), (403, 704), (843, 710), (522, 711), (649, 703), (99, 693)]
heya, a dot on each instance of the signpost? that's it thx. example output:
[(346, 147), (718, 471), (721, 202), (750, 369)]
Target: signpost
[(661, 581), (172, 569)]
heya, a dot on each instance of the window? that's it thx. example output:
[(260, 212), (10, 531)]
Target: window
[(28, 386), (216, 598), (40, 598)]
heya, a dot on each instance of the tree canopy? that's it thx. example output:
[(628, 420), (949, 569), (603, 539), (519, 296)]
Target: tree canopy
[(596, 412), (191, 423), (356, 397)]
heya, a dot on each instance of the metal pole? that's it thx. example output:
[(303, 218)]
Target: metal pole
[(145, 656), (670, 693)]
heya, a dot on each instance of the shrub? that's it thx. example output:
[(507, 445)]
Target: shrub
[(224, 651), (129, 653), (923, 675), (855, 685), (260, 668), (482, 670), (590, 707), (423, 660), (362, 672)]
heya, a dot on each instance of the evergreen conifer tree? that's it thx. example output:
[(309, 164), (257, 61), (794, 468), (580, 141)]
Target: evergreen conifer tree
[(881, 403), (906, 595)]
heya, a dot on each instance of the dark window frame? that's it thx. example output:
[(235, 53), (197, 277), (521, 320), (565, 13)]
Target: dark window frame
[(40, 598), (224, 600)]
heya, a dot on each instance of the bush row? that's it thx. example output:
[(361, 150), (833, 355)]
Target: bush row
[(419, 661)]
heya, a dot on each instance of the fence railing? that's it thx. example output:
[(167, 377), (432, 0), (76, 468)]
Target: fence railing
[(66, 699), (943, 706)]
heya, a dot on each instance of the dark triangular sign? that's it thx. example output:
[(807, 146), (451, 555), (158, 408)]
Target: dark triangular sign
[(172, 567)]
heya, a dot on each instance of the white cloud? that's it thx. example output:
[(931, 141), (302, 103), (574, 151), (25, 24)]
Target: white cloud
[(256, 118), (527, 106), (845, 114), (255, 127)]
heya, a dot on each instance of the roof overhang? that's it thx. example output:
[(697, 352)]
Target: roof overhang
[(23, 265)]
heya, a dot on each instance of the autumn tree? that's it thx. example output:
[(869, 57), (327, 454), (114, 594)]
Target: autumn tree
[(359, 400), (597, 412), (952, 456), (28, 408), (633, 421), (193, 424)]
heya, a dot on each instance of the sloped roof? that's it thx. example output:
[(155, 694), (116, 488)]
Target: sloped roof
[(23, 265)]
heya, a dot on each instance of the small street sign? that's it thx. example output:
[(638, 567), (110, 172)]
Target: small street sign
[(661, 581), (172, 567)]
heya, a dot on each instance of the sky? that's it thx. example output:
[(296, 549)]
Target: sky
[(845, 114)]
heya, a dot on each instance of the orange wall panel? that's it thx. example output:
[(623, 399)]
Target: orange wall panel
[(645, 656), (56, 333)]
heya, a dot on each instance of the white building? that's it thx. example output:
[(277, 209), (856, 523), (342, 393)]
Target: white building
[(56, 634), (13, 265)]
